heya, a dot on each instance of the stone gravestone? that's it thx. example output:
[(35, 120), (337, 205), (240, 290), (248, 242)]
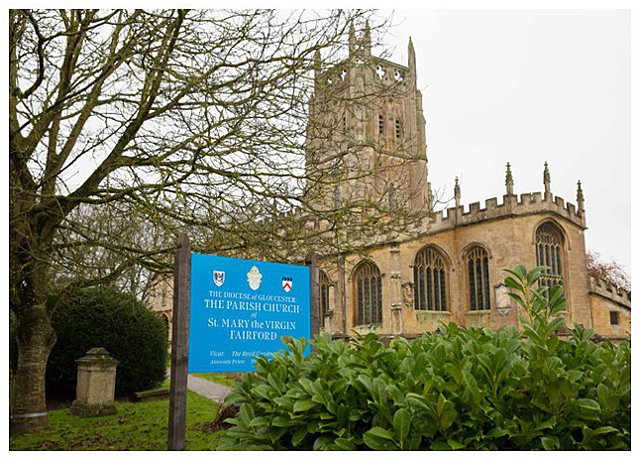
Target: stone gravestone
[(96, 384)]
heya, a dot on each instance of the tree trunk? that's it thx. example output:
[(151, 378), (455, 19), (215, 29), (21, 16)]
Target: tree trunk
[(35, 337)]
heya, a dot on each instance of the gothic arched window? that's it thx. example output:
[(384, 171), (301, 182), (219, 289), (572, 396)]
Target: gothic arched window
[(550, 252), (367, 283), (325, 282), (429, 280), (478, 281)]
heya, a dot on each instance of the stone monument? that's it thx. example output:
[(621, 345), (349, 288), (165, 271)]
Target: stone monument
[(96, 384)]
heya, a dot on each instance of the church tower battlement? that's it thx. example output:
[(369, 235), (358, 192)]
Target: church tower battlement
[(366, 134)]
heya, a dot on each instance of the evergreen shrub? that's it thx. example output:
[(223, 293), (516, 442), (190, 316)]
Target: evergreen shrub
[(458, 388), (101, 317)]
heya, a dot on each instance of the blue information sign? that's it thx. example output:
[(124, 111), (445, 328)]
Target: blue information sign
[(240, 308)]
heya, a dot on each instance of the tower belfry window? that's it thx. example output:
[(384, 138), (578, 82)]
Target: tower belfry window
[(550, 252), (380, 125), (398, 129)]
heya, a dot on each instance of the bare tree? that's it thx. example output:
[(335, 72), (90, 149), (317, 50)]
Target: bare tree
[(611, 272), (129, 123), (94, 241)]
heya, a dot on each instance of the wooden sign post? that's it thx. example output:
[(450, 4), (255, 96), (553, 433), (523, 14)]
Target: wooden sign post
[(179, 345), (314, 288)]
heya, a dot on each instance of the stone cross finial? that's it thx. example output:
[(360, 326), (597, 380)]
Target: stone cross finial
[(546, 178), (429, 197), (456, 193), (509, 180), (580, 198)]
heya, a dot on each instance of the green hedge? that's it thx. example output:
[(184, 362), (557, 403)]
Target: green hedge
[(100, 317), (455, 389)]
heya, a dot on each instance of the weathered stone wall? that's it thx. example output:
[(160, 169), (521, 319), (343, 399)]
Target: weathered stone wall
[(160, 300), (606, 298), (508, 239)]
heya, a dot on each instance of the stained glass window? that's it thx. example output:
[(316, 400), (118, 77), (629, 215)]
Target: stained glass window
[(368, 285), (478, 281), (429, 273)]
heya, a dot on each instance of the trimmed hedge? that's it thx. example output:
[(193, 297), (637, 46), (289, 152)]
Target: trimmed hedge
[(101, 317), (471, 389)]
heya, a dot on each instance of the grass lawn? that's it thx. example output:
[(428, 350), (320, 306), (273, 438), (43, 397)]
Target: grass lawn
[(136, 426)]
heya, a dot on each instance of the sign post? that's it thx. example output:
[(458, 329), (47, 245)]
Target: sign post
[(179, 345), (314, 282)]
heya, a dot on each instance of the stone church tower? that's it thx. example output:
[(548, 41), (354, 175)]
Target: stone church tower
[(366, 134)]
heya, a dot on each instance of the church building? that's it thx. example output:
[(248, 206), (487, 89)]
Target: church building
[(367, 134), (446, 266)]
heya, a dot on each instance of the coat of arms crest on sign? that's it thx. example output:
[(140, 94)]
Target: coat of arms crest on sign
[(218, 278), (287, 284)]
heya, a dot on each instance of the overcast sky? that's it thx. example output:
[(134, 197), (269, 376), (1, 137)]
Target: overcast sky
[(528, 87)]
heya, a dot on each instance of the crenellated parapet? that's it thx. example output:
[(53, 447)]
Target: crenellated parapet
[(511, 205), (610, 292)]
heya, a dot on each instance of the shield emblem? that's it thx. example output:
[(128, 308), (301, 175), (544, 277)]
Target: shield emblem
[(287, 284), (218, 278)]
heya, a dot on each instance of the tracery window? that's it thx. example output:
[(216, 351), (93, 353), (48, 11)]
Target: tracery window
[(324, 283), (549, 252), (429, 281), (478, 279), (368, 289)]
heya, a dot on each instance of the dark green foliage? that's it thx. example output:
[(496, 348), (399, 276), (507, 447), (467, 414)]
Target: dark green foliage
[(13, 346), (456, 389), (131, 333)]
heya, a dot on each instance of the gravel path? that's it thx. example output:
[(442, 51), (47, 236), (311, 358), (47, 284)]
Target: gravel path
[(208, 389)]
